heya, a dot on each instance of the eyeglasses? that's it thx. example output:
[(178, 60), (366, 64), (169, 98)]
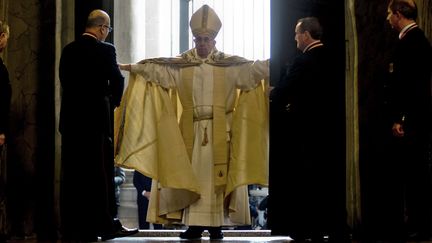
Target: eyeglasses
[(202, 39), (108, 27)]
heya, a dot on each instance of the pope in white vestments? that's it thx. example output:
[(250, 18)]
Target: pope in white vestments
[(201, 165)]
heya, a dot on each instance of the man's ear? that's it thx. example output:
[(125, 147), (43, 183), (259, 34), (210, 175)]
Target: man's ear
[(398, 14), (308, 35)]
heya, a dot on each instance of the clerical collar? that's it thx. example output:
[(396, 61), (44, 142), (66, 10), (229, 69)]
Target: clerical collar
[(406, 29), (210, 56), (313, 45), (199, 57), (90, 34)]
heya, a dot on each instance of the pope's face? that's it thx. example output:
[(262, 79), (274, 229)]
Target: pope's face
[(204, 44)]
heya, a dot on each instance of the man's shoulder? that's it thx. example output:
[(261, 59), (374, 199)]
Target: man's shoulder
[(316, 53), (416, 43), (70, 45), (78, 43), (223, 59), (107, 45), (89, 41), (416, 35), (234, 58)]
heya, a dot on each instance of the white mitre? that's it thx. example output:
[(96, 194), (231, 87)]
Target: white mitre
[(205, 21)]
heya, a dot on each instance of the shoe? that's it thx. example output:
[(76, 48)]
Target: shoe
[(192, 233), (215, 233), (120, 232)]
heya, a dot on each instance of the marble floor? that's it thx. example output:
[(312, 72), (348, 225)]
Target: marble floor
[(157, 236), (149, 236), (234, 239)]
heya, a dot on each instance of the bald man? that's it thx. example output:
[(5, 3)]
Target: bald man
[(92, 87)]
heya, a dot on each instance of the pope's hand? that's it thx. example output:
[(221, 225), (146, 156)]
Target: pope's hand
[(124, 67)]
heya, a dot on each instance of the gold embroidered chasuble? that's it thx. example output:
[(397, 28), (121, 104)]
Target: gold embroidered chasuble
[(237, 147)]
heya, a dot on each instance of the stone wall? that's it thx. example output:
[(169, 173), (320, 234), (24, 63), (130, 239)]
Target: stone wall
[(22, 61), (30, 58), (425, 17)]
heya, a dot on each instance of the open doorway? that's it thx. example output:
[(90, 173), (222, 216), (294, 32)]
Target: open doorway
[(156, 28)]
